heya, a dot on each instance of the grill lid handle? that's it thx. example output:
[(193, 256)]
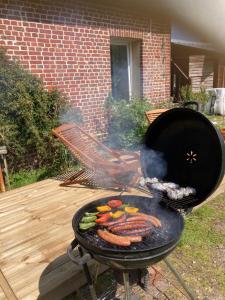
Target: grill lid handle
[(195, 103)]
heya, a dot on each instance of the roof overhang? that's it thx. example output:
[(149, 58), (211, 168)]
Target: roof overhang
[(197, 45)]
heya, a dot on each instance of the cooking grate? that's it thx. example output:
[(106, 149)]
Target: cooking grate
[(159, 237), (183, 203), (168, 233)]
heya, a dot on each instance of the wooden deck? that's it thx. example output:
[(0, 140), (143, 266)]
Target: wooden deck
[(35, 230)]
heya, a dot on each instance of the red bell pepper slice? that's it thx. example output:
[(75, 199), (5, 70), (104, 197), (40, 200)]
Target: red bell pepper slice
[(103, 218), (102, 215), (114, 203)]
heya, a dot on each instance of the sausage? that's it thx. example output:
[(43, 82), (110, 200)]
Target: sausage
[(129, 225), (113, 239), (155, 221), (136, 232), (119, 220), (140, 216), (116, 224)]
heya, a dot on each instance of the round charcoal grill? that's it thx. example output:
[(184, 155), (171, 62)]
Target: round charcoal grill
[(159, 243), (194, 153)]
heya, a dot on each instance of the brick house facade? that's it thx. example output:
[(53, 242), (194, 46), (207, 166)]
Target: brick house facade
[(67, 44)]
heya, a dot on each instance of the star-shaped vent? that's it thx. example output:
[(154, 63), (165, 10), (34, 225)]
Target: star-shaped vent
[(191, 157)]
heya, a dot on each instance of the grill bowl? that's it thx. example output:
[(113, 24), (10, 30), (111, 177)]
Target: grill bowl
[(150, 250)]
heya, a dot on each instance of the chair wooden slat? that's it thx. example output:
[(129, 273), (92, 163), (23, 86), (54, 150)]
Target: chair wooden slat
[(151, 115), (2, 184), (100, 163)]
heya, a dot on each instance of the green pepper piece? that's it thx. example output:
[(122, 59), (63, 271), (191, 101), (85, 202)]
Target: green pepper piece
[(89, 214), (88, 219), (123, 206), (85, 226)]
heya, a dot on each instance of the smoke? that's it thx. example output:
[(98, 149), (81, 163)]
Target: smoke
[(71, 115), (153, 163)]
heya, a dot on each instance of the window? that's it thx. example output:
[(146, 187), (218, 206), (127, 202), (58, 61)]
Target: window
[(125, 68)]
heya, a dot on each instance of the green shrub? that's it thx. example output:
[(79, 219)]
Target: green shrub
[(127, 122), (28, 112), (24, 177), (186, 93), (201, 96)]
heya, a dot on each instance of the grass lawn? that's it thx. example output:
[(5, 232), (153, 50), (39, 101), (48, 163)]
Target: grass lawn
[(199, 258), (25, 177), (218, 121)]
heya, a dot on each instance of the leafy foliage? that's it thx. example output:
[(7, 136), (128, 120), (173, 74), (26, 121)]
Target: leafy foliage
[(28, 112), (24, 177), (201, 96), (127, 122)]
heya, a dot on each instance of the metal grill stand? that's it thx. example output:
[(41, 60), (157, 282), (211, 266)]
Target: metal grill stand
[(143, 281), (83, 258), (82, 261), (126, 285), (180, 280)]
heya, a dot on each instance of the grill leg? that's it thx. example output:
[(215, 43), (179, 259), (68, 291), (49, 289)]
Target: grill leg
[(88, 277), (126, 285), (182, 283)]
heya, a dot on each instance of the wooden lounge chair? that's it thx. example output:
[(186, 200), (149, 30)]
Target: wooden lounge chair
[(101, 166), (151, 115), (2, 184), (222, 131)]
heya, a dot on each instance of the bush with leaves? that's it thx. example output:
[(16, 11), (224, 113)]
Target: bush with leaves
[(201, 96), (28, 112), (127, 122)]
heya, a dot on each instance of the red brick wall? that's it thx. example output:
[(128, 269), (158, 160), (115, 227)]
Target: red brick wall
[(67, 43)]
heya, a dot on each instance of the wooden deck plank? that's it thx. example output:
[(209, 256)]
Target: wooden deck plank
[(6, 288), (35, 230), (33, 188), (2, 294), (35, 227)]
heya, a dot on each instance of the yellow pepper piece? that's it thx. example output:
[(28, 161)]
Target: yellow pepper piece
[(117, 214), (103, 208), (131, 210)]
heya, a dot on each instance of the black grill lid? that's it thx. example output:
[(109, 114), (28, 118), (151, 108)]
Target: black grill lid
[(192, 148)]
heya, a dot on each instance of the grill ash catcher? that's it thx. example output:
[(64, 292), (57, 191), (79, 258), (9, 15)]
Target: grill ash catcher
[(194, 153)]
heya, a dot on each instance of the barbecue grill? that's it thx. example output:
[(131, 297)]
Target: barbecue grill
[(194, 153)]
